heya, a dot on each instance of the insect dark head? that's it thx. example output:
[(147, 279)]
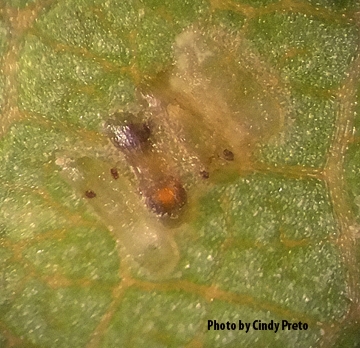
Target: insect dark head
[(128, 135), (166, 197)]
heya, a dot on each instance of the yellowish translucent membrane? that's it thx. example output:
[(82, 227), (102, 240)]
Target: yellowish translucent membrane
[(219, 95), (143, 241)]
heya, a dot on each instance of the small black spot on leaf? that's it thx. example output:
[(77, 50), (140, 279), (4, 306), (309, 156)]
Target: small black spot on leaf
[(90, 194), (228, 155), (114, 173)]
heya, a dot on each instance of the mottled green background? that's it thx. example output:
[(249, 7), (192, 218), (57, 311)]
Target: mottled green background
[(278, 243)]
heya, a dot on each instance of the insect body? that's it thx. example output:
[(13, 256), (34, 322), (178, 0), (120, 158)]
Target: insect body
[(164, 194)]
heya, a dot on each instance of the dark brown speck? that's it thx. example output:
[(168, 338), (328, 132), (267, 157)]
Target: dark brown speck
[(114, 173), (90, 194), (228, 155), (204, 174)]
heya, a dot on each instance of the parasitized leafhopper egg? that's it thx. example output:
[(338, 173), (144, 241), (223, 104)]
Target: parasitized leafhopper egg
[(210, 110), (143, 241)]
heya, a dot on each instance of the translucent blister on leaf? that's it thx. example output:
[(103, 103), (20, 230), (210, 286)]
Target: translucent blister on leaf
[(143, 241), (219, 99)]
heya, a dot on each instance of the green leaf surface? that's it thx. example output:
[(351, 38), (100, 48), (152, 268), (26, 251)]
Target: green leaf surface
[(253, 109)]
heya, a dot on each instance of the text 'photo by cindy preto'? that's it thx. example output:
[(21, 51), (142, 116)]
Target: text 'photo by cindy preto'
[(257, 325), (192, 125)]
